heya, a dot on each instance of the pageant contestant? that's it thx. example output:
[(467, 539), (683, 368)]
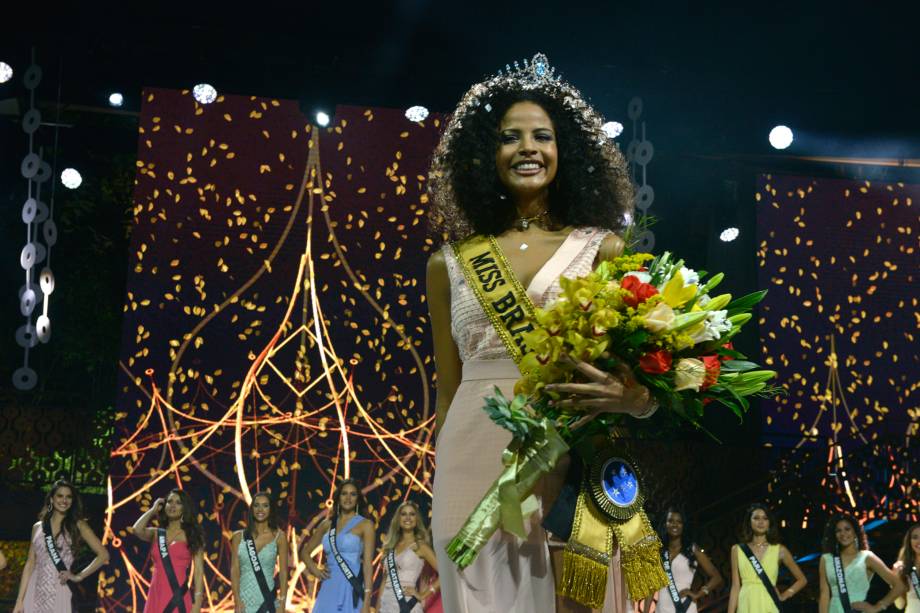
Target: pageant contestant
[(847, 567), (58, 534), (348, 544), (405, 552), (755, 565), (177, 539), (524, 166), (908, 568), (255, 551), (681, 558)]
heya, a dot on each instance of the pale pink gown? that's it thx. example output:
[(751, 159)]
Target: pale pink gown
[(409, 568), (510, 574), (44, 592)]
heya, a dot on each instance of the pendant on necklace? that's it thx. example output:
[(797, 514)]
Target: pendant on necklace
[(525, 223), (523, 247)]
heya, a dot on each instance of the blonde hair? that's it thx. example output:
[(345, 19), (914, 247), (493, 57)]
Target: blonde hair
[(394, 531)]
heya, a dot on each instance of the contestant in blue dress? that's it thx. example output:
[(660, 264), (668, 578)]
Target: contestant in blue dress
[(355, 543)]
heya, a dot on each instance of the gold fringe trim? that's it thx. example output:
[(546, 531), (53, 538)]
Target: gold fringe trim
[(642, 569), (583, 580)]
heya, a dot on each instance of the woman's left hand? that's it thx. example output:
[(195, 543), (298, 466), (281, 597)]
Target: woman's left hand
[(605, 392)]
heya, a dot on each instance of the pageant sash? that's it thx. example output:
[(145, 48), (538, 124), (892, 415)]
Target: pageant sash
[(405, 604), (51, 547), (356, 581), (501, 295), (177, 602), (759, 569), (842, 584), (915, 581), (268, 597), (679, 605)]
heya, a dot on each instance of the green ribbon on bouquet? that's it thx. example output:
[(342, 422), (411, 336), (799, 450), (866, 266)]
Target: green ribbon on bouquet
[(509, 500)]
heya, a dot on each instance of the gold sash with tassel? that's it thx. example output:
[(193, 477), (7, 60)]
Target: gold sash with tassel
[(590, 547)]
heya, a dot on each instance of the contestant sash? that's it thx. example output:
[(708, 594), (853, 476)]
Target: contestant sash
[(177, 602), (356, 581), (405, 604), (501, 295), (268, 597), (759, 569), (51, 547), (679, 605), (915, 581), (842, 590)]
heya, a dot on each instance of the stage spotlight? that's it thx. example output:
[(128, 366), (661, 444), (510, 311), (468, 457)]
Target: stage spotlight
[(729, 234), (6, 72), (204, 93), (71, 178), (322, 119), (116, 99), (416, 113), (780, 137), (612, 129)]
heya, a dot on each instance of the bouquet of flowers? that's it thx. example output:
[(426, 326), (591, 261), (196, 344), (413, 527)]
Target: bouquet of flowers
[(650, 315)]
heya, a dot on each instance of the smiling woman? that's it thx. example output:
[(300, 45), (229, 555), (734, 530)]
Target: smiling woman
[(58, 535), (525, 172)]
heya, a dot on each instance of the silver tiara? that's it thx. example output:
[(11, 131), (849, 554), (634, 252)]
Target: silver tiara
[(534, 73)]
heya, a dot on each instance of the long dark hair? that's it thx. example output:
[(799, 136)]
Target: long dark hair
[(272, 520), (906, 555), (747, 533), (829, 543), (360, 509), (686, 538), (71, 518), (194, 535)]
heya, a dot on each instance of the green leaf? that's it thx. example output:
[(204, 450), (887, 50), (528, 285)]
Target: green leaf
[(747, 302), (738, 366)]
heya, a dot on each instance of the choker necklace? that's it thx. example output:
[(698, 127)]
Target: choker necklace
[(522, 223)]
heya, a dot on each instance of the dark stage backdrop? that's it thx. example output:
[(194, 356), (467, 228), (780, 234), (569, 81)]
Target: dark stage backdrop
[(275, 328), (840, 324)]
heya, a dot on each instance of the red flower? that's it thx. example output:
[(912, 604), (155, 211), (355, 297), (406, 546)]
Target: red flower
[(713, 368), (640, 291), (656, 363), (730, 347)]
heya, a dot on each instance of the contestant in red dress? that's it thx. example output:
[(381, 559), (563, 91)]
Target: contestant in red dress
[(184, 542)]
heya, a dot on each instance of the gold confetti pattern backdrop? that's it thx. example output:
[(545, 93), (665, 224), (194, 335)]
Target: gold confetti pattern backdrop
[(840, 261), (275, 329)]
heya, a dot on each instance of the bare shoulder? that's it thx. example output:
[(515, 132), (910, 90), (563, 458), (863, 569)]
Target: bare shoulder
[(367, 524), (324, 526), (237, 536), (611, 247)]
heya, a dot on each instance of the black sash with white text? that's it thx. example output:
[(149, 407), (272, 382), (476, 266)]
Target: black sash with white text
[(771, 589), (51, 547), (356, 581), (842, 584), (679, 605), (177, 602), (268, 597), (405, 604), (915, 581)]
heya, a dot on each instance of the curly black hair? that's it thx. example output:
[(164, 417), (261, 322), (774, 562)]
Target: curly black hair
[(592, 186), (747, 533), (829, 542)]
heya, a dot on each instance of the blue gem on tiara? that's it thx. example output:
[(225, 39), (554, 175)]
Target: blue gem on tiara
[(539, 68)]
